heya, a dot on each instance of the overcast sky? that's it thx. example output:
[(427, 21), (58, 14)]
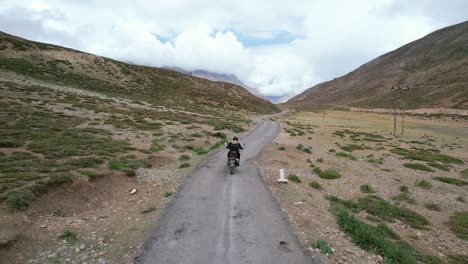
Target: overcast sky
[(279, 47)]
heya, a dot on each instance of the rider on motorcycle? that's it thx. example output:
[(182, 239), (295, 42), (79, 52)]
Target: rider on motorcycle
[(235, 146)]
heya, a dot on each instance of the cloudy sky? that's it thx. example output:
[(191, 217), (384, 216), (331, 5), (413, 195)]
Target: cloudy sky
[(279, 47)]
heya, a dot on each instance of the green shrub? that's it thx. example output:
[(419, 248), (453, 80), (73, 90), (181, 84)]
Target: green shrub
[(366, 188), (352, 147), (300, 147), (432, 206), (148, 210), (417, 166), (424, 184), (449, 180), (404, 189), (184, 165), (323, 246), (115, 165), (320, 160), (281, 148), (294, 178), (346, 155), (315, 185), (184, 157), (329, 174), (316, 170), (69, 236), (16, 203), (168, 194)]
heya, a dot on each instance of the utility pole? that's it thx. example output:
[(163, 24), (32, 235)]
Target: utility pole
[(398, 97)]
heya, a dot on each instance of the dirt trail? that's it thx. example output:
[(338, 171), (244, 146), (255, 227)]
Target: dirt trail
[(221, 218)]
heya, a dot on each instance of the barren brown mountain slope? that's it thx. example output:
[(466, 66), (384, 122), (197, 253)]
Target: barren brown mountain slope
[(435, 67), (156, 86)]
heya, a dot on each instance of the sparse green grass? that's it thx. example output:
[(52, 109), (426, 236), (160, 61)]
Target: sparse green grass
[(404, 189), (458, 223), (373, 160), (184, 157), (88, 162), (404, 196), (432, 206), (294, 178), (323, 246), (315, 185), (8, 143), (201, 151), (426, 155), (16, 203), (184, 165), (316, 170), (384, 210), (148, 210), (366, 188), (329, 174), (424, 184), (439, 166), (352, 147), (464, 173), (307, 150), (320, 160), (168, 194), (69, 236), (418, 166), (346, 155), (127, 162), (157, 146), (449, 180), (92, 175), (237, 129), (380, 239), (457, 259)]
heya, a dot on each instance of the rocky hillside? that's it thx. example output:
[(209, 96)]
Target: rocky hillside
[(163, 87), (435, 67)]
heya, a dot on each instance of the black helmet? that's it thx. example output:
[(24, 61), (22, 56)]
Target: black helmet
[(235, 138)]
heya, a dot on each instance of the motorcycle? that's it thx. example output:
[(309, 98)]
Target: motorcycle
[(233, 161)]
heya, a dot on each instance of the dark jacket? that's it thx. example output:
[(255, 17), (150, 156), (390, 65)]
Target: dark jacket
[(235, 146)]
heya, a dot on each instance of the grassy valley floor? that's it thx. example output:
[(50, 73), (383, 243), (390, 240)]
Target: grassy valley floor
[(356, 194)]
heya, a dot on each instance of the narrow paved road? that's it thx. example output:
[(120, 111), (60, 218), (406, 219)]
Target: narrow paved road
[(221, 218)]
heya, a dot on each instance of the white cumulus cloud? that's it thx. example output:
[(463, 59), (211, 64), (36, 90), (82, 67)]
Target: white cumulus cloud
[(278, 47)]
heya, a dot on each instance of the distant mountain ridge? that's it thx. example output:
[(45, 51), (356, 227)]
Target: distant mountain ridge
[(435, 67), (219, 77)]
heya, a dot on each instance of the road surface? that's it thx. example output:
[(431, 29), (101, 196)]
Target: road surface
[(221, 218)]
